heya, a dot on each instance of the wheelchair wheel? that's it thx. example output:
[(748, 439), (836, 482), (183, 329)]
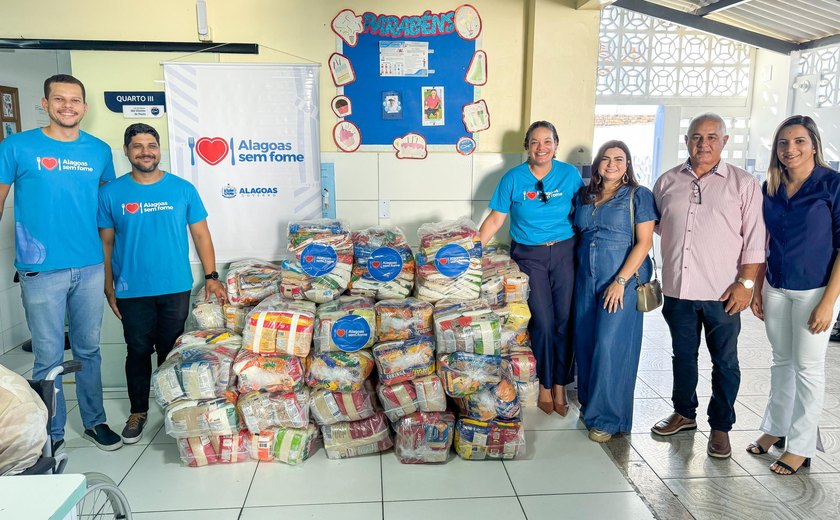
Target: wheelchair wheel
[(102, 500)]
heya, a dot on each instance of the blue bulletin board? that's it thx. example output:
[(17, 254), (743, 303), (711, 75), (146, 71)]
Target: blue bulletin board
[(388, 105)]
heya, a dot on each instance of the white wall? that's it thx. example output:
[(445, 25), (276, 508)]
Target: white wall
[(771, 88), (25, 71)]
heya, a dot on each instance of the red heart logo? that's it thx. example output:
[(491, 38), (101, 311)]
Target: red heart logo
[(531, 194), (340, 333), (443, 261), (212, 150), (49, 162), (132, 207), (375, 264), (309, 258)]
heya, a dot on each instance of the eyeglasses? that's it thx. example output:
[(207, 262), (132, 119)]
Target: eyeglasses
[(541, 190), (696, 193)]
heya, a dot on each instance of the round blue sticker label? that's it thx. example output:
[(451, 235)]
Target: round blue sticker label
[(318, 259), (452, 260), (350, 333), (465, 145), (384, 264)]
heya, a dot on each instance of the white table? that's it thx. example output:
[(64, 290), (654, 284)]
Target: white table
[(38, 497)]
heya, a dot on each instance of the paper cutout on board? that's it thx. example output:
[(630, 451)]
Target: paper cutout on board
[(348, 26), (465, 145), (476, 116), (411, 146), (433, 106), (404, 59), (347, 136), (341, 70), (467, 22), (392, 105), (477, 71), (341, 106)]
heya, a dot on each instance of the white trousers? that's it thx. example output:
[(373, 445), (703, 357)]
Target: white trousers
[(797, 375)]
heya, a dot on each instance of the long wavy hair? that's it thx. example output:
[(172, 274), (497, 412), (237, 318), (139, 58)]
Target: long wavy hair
[(594, 190), (777, 173)]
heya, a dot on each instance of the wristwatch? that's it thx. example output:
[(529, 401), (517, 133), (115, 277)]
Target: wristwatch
[(620, 280), (212, 276), (749, 284)]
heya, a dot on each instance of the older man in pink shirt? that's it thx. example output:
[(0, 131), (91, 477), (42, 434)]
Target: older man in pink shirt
[(713, 241)]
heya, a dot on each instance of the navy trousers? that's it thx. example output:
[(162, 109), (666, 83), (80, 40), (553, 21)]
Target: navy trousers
[(685, 319), (551, 270)]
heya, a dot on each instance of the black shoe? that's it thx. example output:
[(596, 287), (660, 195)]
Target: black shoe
[(58, 447), (104, 437), (134, 428)]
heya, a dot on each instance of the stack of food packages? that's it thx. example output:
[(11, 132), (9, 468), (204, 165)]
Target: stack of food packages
[(469, 346), (384, 264), (248, 283), (323, 260), (195, 385), (449, 261), (506, 289), (345, 331)]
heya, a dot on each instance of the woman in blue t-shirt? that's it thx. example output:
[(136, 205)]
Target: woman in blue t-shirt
[(538, 196), (611, 264), (799, 301)]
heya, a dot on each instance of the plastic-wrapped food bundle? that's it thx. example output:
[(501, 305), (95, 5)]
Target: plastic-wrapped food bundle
[(262, 410), (251, 281), (347, 324), (464, 374), (203, 450), (351, 439), (194, 371), (449, 261), (403, 319), (468, 328), (491, 402), (235, 317), (339, 371), (332, 407), (323, 260), (521, 365), (196, 418), (279, 326), (278, 373), (504, 282), (196, 451), (384, 263), (515, 318), (527, 393), (287, 445), (430, 394), (207, 314), (397, 400), (399, 361), (479, 440), (216, 337), (424, 437)]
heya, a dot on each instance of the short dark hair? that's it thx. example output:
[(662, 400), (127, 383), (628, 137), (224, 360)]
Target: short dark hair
[(61, 78), (139, 128), (541, 124)]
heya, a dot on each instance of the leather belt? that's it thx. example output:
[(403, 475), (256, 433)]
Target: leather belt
[(549, 244)]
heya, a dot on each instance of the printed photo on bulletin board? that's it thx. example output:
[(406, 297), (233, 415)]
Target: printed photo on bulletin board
[(9, 112), (433, 106)]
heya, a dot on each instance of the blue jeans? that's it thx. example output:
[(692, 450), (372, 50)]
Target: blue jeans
[(686, 319), (78, 294)]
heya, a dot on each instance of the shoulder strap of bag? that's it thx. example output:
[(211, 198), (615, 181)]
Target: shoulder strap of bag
[(633, 233)]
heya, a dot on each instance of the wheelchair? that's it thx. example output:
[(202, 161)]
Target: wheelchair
[(102, 499)]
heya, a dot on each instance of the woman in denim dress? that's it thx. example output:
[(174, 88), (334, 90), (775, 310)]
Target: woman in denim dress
[(608, 328)]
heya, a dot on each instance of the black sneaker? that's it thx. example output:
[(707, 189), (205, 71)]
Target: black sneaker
[(103, 437), (134, 428), (58, 447)]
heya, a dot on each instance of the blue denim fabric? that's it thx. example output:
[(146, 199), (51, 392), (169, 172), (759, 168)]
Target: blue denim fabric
[(607, 345), (78, 294)]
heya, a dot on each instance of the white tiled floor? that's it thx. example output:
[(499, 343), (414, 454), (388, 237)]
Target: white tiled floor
[(561, 471)]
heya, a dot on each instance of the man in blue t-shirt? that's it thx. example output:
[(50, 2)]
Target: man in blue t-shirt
[(143, 219), (57, 171)]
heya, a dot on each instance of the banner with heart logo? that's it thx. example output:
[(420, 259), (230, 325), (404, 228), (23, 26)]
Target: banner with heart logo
[(256, 166)]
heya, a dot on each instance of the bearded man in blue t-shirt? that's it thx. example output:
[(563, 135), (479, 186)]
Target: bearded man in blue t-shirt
[(143, 220), (57, 171)]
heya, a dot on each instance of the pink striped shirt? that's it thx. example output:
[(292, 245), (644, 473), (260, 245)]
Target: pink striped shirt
[(704, 244)]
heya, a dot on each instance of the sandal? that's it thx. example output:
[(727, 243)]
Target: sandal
[(755, 448), (779, 464)]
